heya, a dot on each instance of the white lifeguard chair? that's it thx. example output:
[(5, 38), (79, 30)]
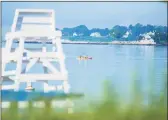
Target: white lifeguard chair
[(34, 25)]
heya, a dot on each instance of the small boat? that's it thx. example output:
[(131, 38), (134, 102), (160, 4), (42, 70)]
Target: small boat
[(29, 88), (84, 58)]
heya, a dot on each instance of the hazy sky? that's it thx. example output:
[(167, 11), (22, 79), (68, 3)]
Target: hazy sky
[(94, 14)]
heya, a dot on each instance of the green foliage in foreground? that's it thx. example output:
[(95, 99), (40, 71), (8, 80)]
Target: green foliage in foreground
[(109, 109)]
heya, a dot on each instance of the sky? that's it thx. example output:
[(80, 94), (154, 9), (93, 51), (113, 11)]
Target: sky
[(93, 14)]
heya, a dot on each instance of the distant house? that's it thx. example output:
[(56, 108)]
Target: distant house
[(126, 35), (151, 33), (146, 36), (75, 34), (95, 34)]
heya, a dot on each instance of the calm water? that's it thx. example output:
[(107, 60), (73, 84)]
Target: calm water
[(116, 63)]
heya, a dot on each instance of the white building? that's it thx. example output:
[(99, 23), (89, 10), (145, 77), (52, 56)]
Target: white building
[(126, 35), (95, 34), (75, 34), (151, 33), (147, 40)]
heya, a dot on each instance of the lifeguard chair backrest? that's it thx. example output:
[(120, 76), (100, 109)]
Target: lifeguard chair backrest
[(33, 20)]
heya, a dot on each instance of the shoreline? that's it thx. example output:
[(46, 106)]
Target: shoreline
[(97, 43), (114, 44), (103, 43)]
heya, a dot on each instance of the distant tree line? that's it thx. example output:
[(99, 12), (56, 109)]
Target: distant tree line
[(132, 32)]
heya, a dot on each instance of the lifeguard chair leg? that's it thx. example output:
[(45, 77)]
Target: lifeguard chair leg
[(16, 86), (66, 86), (19, 63)]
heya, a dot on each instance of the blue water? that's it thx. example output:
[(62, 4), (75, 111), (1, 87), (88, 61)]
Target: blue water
[(116, 63), (10, 95)]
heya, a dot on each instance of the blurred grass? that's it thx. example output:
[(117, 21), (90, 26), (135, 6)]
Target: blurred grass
[(109, 109)]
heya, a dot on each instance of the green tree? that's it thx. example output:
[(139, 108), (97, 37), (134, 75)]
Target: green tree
[(118, 31)]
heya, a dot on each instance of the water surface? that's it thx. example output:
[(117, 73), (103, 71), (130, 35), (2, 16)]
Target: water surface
[(116, 63)]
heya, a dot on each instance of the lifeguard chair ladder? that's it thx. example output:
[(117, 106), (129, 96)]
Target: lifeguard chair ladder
[(34, 25)]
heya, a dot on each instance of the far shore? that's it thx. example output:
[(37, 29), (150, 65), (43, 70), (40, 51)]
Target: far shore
[(109, 43), (95, 43)]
